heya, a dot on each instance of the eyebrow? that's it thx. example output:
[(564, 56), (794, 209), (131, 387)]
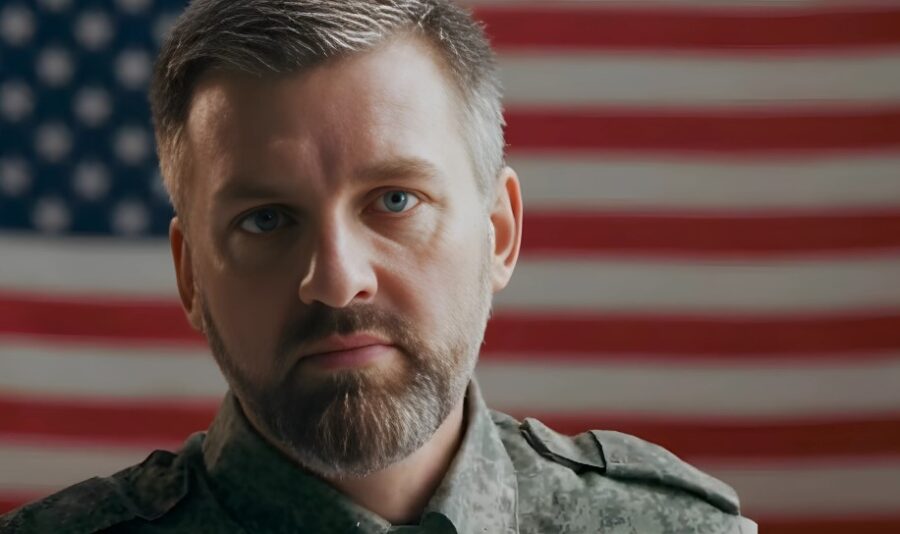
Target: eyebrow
[(245, 189), (400, 168), (403, 168)]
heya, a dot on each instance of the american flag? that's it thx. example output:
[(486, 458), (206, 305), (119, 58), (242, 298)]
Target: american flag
[(711, 257)]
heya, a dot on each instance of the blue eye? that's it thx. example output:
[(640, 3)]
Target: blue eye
[(262, 221), (396, 201)]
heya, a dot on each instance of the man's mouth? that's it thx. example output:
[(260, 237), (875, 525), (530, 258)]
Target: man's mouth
[(347, 351)]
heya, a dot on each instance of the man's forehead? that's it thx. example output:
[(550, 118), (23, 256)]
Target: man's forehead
[(400, 75), (387, 112)]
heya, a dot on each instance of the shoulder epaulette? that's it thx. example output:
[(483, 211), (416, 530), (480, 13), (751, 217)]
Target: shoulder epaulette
[(146, 491), (626, 457)]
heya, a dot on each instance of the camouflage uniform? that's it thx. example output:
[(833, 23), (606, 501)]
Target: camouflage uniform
[(508, 477)]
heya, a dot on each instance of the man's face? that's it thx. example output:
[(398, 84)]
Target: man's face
[(333, 203)]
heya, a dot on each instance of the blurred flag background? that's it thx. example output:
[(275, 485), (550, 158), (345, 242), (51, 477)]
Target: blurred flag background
[(711, 257)]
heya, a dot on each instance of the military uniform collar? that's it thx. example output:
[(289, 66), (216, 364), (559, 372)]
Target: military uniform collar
[(266, 491), (479, 491)]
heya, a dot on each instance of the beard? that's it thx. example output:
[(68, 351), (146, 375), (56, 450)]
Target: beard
[(353, 422)]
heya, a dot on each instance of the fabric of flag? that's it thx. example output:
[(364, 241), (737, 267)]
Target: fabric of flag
[(711, 255)]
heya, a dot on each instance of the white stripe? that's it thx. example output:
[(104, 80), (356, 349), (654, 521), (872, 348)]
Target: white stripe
[(621, 183), (705, 286), (31, 468), (548, 79), (86, 371), (827, 488), (694, 389), (852, 384), (103, 266)]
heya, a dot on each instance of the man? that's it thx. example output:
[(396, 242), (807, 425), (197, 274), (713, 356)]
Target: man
[(344, 217)]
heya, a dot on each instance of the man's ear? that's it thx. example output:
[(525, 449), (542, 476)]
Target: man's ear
[(506, 224), (184, 274)]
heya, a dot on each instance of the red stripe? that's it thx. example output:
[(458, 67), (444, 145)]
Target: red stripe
[(758, 438), (525, 336), (735, 132), (12, 500), (161, 321), (511, 334), (154, 423), (717, 234), (700, 29), (157, 424)]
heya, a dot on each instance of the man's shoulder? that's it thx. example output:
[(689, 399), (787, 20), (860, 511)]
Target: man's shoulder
[(623, 478), (145, 491)]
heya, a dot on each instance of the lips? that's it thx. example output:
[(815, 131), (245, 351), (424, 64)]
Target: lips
[(347, 351), (343, 344)]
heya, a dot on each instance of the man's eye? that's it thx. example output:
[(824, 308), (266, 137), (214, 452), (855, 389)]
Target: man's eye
[(396, 201), (263, 221)]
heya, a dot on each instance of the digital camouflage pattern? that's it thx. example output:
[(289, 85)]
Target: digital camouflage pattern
[(508, 477)]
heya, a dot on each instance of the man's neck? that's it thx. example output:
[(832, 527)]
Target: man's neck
[(400, 492)]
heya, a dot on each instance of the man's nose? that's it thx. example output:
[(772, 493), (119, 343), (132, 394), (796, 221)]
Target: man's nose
[(340, 269)]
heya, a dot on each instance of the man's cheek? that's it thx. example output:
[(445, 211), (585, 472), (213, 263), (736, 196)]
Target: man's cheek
[(245, 324), (439, 292), (276, 257)]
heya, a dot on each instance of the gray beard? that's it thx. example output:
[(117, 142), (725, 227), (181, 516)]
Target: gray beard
[(353, 423)]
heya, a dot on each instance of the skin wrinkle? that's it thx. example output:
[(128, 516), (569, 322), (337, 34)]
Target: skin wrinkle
[(462, 122), (286, 447), (352, 422), (307, 36)]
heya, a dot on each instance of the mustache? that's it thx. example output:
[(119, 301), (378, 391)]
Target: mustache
[(322, 321)]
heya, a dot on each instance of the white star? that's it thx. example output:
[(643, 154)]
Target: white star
[(53, 141), (16, 100), (91, 180), (55, 66), (17, 24), (132, 144), (55, 5), (132, 6), (163, 25), (15, 177), (133, 68), (130, 217), (158, 187), (51, 215), (92, 105), (93, 30)]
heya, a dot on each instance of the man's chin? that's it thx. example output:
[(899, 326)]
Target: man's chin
[(352, 429), (312, 382)]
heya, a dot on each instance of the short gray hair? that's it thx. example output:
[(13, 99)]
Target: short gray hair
[(263, 37)]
